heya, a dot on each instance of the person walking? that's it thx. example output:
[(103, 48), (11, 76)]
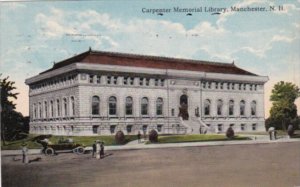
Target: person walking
[(98, 149), (102, 150), (24, 153), (139, 137), (94, 149)]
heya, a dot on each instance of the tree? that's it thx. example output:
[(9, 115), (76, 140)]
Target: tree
[(8, 115), (284, 110)]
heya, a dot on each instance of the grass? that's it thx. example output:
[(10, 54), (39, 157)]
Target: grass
[(196, 138), (85, 140)]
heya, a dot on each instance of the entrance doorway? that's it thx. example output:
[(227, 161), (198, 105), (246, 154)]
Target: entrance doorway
[(183, 109)]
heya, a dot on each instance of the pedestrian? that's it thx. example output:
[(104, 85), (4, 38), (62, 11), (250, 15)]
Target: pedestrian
[(94, 149), (24, 153), (102, 150), (98, 149), (271, 132), (139, 137)]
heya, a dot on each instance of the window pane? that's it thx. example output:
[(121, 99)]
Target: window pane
[(129, 103), (159, 106), (144, 106), (112, 106), (95, 105)]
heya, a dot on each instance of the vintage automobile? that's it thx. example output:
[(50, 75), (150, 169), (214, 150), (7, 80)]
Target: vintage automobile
[(63, 145)]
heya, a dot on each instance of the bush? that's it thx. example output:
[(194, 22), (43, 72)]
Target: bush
[(120, 138), (153, 136), (290, 130), (230, 133)]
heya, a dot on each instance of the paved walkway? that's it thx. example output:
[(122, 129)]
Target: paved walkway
[(256, 139)]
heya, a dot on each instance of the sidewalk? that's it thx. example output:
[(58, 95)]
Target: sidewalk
[(134, 145)]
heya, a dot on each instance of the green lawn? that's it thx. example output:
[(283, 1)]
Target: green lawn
[(85, 140), (196, 138)]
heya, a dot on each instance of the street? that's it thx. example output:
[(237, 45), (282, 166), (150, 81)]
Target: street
[(276, 164)]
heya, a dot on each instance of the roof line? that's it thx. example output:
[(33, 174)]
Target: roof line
[(152, 57)]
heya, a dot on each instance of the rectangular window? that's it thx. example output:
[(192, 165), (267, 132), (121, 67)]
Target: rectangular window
[(217, 85), (115, 80), (91, 78), (159, 128), (221, 85), (204, 85), (98, 79), (125, 80), (112, 129), (220, 127), (162, 82), (147, 81), (141, 81), (254, 127), (131, 80), (95, 129), (243, 127), (156, 82), (108, 79), (129, 128), (228, 86), (232, 86)]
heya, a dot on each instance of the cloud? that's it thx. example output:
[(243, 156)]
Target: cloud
[(209, 39), (282, 38)]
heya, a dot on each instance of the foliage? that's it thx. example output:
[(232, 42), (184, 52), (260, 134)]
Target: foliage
[(283, 111), (120, 138), (230, 133), (153, 136), (13, 125)]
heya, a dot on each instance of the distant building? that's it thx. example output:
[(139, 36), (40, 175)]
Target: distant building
[(99, 93)]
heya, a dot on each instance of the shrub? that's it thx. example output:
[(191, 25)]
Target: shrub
[(290, 130), (153, 136), (230, 133), (120, 138)]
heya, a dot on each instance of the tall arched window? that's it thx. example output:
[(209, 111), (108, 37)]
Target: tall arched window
[(144, 106), (46, 109), (40, 110), (51, 109), (231, 108), (34, 110), (207, 107), (112, 104), (219, 107), (242, 108), (72, 101), (65, 107), (58, 107), (253, 108), (95, 105), (128, 105), (159, 106)]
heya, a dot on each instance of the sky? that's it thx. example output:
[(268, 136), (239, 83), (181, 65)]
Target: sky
[(36, 34)]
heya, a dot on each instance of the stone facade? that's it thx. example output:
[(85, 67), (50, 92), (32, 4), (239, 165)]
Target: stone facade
[(81, 98)]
